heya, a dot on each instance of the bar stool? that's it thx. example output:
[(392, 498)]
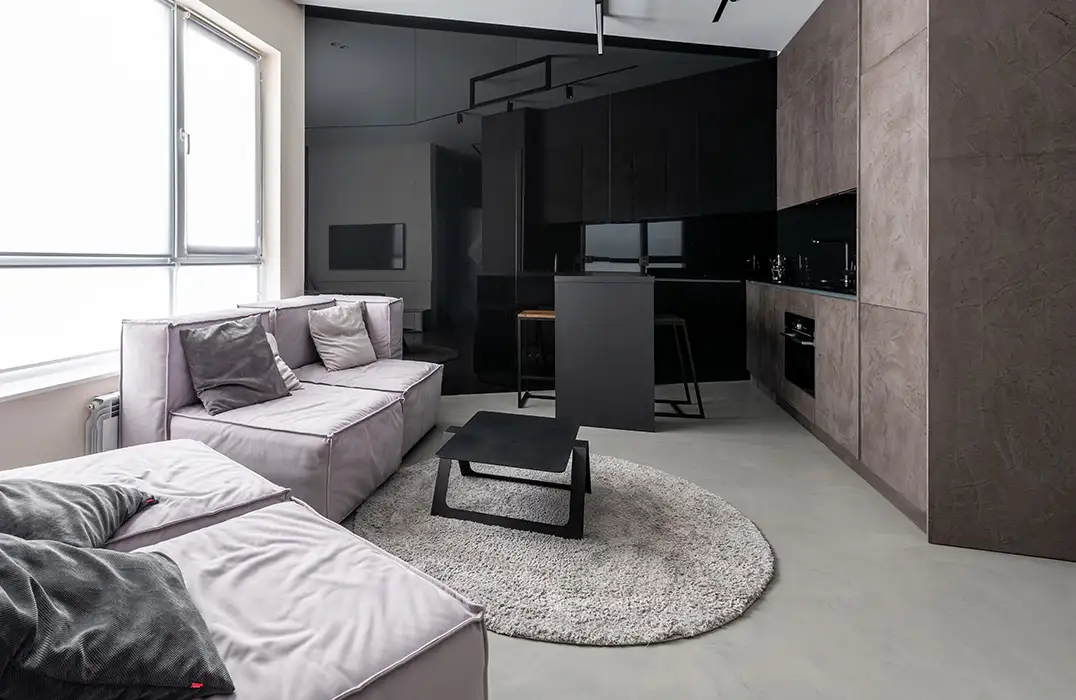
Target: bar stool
[(539, 316), (679, 326)]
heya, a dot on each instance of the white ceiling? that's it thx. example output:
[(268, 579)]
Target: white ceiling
[(755, 24)]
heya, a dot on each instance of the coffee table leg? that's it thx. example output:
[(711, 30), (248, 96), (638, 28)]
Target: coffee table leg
[(573, 529), (440, 491), (584, 446), (579, 487)]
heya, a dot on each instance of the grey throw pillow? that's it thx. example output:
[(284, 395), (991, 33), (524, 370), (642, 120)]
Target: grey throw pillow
[(231, 365), (340, 336), (94, 624), (290, 380), (81, 515)]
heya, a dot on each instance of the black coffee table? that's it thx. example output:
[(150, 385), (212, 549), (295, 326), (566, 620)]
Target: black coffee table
[(526, 442)]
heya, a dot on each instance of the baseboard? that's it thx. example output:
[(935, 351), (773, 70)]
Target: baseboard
[(910, 511)]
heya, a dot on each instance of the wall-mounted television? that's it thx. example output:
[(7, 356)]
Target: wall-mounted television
[(367, 247)]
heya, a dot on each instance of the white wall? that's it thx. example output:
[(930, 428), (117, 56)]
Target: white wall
[(51, 425), (373, 185)]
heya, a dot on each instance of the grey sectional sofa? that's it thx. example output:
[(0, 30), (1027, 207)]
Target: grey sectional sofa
[(298, 607), (332, 443)]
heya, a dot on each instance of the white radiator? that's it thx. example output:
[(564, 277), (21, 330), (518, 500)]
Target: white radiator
[(103, 425)]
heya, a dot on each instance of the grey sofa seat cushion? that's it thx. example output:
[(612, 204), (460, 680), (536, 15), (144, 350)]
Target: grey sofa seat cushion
[(340, 335), (418, 382), (331, 446), (94, 624), (396, 376), (405, 636), (231, 365), (81, 515), (194, 485)]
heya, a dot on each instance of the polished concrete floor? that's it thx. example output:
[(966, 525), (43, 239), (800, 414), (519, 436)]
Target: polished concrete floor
[(862, 607)]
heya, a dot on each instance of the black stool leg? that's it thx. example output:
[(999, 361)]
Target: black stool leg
[(683, 367), (694, 376), (520, 401)]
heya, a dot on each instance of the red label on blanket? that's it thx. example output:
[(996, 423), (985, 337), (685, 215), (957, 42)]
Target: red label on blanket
[(196, 685)]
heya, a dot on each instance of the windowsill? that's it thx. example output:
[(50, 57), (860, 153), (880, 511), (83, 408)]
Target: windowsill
[(22, 383)]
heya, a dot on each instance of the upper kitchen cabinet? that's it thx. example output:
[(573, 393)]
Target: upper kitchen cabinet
[(654, 162), (736, 150), (817, 110), (574, 162)]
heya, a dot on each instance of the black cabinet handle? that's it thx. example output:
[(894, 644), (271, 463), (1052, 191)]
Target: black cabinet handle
[(799, 341)]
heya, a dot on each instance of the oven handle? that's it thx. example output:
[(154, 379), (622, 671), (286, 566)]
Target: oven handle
[(798, 341)]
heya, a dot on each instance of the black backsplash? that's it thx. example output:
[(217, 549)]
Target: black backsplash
[(814, 236)]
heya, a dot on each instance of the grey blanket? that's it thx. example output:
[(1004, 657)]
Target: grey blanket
[(76, 514), (99, 625)]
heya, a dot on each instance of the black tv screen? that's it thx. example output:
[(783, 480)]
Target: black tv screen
[(367, 247)]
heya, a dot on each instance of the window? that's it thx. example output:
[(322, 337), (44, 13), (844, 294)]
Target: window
[(129, 172), (636, 247), (613, 248)]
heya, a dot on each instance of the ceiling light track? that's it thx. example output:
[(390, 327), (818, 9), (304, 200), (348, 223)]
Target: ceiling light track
[(721, 9), (599, 21), (460, 114)]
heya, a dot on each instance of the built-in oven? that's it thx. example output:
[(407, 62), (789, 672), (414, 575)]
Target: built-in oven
[(799, 351)]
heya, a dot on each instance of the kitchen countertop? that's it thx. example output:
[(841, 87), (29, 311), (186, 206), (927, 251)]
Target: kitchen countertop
[(807, 290)]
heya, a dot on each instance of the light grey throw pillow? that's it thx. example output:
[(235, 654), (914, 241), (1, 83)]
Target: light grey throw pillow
[(290, 380), (340, 336), (231, 365)]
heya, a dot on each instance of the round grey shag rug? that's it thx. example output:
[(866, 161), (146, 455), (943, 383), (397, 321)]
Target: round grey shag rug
[(661, 558)]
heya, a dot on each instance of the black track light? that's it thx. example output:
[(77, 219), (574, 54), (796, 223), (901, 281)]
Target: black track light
[(459, 117), (511, 105), (569, 92)]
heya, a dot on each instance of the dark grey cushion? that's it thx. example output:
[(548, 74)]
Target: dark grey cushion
[(231, 365), (80, 515), (99, 625)]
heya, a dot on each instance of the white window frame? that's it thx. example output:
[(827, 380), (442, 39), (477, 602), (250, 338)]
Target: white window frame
[(180, 254)]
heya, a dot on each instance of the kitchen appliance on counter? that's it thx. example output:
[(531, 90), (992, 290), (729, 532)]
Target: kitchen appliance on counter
[(799, 351)]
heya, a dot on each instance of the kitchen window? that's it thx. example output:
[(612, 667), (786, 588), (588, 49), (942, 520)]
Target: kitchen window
[(130, 173)]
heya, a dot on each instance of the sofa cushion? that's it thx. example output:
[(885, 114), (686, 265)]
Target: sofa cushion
[(290, 380), (396, 376), (340, 336), (418, 382), (81, 515), (90, 623), (277, 620), (291, 326), (384, 321), (231, 365), (194, 486), (331, 446)]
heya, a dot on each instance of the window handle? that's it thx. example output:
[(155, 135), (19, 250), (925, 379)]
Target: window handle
[(185, 136)]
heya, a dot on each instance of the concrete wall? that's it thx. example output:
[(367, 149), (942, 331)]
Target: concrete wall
[(50, 425), (1003, 275), (374, 185)]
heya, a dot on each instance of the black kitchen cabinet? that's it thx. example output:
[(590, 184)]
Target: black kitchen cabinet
[(700, 145), (562, 185), (509, 170), (737, 148), (575, 162), (595, 181)]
